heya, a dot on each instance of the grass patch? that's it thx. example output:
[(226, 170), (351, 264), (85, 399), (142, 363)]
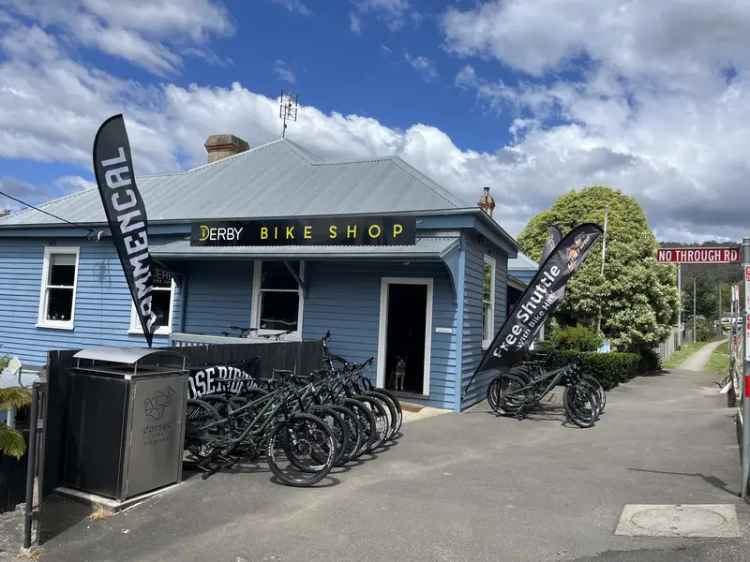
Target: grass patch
[(719, 360), (678, 357)]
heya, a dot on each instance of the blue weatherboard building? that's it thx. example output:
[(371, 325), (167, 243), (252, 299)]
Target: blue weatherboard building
[(429, 306)]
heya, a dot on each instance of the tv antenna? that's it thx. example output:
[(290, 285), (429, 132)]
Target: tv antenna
[(287, 109)]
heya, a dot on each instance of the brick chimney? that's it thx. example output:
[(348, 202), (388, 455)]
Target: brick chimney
[(487, 202), (221, 146)]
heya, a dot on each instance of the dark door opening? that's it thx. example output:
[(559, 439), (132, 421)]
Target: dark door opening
[(405, 338)]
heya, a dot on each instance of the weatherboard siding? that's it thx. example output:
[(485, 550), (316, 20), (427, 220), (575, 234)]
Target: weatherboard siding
[(472, 330), (345, 299), (102, 305), (219, 295)]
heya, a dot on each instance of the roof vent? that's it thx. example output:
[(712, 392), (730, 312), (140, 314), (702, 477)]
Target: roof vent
[(221, 146), (486, 201)]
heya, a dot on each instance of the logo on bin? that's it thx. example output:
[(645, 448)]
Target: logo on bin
[(157, 404)]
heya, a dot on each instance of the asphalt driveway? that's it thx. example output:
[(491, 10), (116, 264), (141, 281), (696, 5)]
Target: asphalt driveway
[(460, 487)]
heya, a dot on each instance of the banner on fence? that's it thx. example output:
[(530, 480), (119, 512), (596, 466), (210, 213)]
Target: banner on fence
[(209, 380)]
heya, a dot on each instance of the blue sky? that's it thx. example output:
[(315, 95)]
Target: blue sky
[(531, 98)]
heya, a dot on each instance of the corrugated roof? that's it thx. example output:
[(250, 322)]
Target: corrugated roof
[(522, 262), (275, 179), (428, 247)]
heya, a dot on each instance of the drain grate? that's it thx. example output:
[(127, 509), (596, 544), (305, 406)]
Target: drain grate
[(690, 521)]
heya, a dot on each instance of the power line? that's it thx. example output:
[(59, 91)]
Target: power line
[(25, 204)]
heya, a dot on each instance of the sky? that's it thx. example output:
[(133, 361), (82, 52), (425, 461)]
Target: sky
[(531, 98)]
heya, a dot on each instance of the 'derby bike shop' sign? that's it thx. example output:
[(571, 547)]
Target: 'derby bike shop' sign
[(699, 254), (318, 231)]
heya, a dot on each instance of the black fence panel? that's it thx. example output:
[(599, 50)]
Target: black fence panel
[(12, 480)]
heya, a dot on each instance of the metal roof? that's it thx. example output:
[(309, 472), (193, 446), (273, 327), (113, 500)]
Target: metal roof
[(427, 247), (272, 180), (125, 355), (522, 262)]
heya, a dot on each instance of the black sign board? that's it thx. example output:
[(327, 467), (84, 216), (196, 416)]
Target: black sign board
[(318, 231)]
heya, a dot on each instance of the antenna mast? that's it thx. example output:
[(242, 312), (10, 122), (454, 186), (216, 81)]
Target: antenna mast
[(287, 110)]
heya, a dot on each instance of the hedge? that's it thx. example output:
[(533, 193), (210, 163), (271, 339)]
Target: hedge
[(610, 368)]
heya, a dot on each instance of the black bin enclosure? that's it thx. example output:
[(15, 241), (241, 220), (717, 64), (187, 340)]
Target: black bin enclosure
[(126, 421)]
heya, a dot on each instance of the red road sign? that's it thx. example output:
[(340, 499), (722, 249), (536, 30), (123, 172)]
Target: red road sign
[(699, 254)]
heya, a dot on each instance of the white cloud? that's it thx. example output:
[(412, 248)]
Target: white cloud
[(355, 23), (294, 6), (424, 66), (145, 33), (283, 72), (393, 13), (681, 152), (74, 183), (660, 106)]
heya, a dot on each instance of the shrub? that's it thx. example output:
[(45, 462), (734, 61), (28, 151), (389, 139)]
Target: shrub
[(576, 338), (610, 369), (650, 361)]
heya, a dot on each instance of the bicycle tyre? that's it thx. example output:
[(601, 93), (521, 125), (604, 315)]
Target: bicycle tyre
[(397, 406), (366, 421), (511, 395), (382, 423), (391, 408), (300, 436), (581, 404), (339, 428)]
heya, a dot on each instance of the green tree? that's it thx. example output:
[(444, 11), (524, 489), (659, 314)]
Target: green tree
[(11, 441), (636, 298)]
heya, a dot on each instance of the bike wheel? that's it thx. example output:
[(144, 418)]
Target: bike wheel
[(204, 432), (581, 404), (512, 395), (352, 423), (301, 450), (601, 394), (338, 426), (391, 410), (366, 424), (397, 405), (382, 421)]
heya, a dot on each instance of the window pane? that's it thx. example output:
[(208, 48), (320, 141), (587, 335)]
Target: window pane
[(487, 324), (278, 311), (62, 269), (277, 276), (487, 285), (160, 306), (59, 304), (162, 278)]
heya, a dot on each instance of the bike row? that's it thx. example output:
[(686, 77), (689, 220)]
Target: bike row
[(302, 425), (521, 389)]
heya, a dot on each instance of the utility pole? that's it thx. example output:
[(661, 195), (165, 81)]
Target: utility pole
[(604, 258), (745, 379), (679, 305), (694, 319)]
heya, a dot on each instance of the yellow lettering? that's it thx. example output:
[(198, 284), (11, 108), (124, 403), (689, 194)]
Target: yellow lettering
[(290, 232), (264, 233), (351, 231), (333, 231), (308, 233), (397, 230), (374, 231), (275, 232)]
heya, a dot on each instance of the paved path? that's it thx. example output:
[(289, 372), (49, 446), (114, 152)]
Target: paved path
[(460, 487), (698, 360)]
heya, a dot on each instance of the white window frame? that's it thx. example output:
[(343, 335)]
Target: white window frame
[(255, 307), (385, 283), (135, 323), (42, 321), (493, 263)]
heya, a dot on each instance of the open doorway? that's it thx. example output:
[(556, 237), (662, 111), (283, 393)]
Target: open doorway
[(405, 328)]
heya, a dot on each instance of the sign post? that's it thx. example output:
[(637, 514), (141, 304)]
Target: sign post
[(746, 371)]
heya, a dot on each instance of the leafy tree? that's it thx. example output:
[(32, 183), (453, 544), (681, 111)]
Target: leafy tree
[(11, 441), (635, 297)]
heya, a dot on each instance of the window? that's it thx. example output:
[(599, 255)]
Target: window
[(278, 297), (161, 303), (58, 295), (488, 302)]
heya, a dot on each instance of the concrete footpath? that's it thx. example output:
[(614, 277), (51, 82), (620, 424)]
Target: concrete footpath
[(698, 360), (461, 487)]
